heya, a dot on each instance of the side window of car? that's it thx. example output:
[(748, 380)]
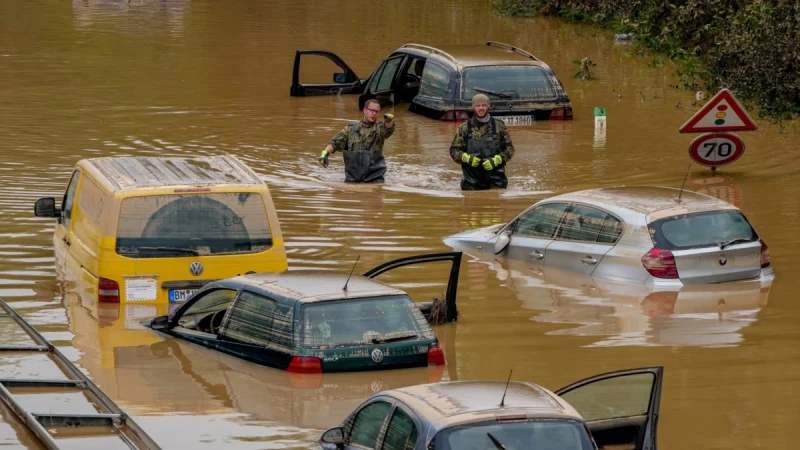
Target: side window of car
[(387, 76), (611, 231), (541, 221), (583, 223), (373, 82), (434, 81), (69, 198), (205, 304), (367, 424), (255, 319), (401, 433)]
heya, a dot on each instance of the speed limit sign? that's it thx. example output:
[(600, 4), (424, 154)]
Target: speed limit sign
[(716, 149)]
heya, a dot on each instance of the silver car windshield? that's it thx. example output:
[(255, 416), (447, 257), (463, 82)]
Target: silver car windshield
[(698, 230), (516, 435)]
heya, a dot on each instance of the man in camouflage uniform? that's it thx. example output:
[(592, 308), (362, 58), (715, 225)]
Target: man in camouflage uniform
[(361, 143), (483, 147)]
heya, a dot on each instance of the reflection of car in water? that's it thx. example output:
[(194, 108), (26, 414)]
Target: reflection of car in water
[(149, 229), (440, 82), (312, 321), (641, 235), (617, 410)]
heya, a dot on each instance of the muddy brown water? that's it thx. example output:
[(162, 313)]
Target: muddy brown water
[(90, 78)]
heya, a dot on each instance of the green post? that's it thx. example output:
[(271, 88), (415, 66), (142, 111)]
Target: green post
[(599, 111)]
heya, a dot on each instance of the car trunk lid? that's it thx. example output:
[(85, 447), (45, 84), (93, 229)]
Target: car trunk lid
[(715, 265)]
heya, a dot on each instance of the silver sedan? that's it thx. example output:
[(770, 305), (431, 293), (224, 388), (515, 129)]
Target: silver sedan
[(645, 235)]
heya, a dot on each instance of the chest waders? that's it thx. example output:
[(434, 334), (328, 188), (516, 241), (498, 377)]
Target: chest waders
[(363, 157), (478, 178)]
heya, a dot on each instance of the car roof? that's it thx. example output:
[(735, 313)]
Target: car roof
[(458, 402), (495, 53), (132, 172), (315, 285), (653, 201)]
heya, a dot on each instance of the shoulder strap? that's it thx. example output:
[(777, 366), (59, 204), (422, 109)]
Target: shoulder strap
[(494, 126), (469, 131)]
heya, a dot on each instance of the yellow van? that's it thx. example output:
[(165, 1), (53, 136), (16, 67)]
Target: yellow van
[(155, 229)]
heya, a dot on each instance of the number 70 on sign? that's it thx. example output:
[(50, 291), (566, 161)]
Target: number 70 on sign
[(716, 149)]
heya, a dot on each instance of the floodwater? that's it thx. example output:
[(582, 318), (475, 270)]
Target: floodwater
[(177, 77)]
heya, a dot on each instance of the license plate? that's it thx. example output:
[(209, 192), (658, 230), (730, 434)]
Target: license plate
[(516, 120), (180, 295)]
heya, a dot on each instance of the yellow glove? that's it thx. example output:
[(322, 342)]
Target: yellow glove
[(472, 160), (388, 117), (323, 158), (493, 162)]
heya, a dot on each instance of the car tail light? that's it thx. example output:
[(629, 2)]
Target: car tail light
[(107, 291), (305, 364), (765, 260), (564, 113), (660, 263), (455, 115), (435, 355)]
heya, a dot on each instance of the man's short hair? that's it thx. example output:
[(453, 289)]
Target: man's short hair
[(371, 101)]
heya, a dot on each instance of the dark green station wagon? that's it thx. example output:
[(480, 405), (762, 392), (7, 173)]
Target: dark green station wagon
[(314, 321)]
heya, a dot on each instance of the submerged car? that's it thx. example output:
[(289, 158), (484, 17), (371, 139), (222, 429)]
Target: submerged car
[(612, 410), (649, 235), (314, 321), (440, 82)]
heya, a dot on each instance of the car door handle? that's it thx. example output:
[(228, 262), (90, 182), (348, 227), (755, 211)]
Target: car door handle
[(536, 254), (588, 260), (65, 241)]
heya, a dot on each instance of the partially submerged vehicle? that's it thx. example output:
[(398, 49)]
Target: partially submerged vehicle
[(646, 235), (439, 82), (314, 321), (617, 410), (155, 229)]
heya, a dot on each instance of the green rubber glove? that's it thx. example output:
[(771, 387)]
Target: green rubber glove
[(388, 117), (493, 162), (472, 160), (323, 158)]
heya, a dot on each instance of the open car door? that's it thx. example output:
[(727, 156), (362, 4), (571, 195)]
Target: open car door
[(452, 283), (620, 408), (345, 82)]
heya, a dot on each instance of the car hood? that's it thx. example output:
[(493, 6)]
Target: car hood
[(468, 239)]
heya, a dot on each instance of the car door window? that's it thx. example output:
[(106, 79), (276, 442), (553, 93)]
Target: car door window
[(387, 76), (434, 81), (613, 398), (69, 198), (256, 319), (611, 231), (401, 433), (367, 424), (583, 223), (541, 221), (202, 308)]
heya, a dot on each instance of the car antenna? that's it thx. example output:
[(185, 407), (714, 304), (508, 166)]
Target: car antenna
[(503, 400), (684, 182), (351, 273)]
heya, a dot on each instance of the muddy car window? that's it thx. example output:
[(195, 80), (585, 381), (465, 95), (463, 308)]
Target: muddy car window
[(387, 76), (401, 433), (368, 422), (545, 434), (201, 224), (69, 198), (360, 322), (583, 224), (512, 82), (205, 307), (611, 230), (701, 230), (622, 396), (541, 221), (256, 319), (434, 81)]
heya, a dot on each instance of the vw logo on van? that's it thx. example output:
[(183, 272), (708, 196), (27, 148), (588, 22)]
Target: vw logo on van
[(377, 355), (723, 260), (196, 268)]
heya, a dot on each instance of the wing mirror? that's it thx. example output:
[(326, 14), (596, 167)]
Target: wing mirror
[(46, 207), (340, 77), (503, 239), (334, 435), (159, 323)]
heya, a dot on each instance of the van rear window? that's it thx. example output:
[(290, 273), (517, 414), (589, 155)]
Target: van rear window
[(698, 230), (508, 83), (160, 226)]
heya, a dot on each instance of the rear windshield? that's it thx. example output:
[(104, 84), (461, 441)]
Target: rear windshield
[(193, 225), (363, 322), (518, 435), (508, 83), (701, 230)]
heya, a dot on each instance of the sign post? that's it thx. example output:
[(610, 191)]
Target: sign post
[(599, 126)]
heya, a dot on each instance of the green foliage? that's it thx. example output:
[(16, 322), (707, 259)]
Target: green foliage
[(752, 46), (585, 64)]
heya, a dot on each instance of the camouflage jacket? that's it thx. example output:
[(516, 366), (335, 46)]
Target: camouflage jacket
[(355, 137), (481, 131)]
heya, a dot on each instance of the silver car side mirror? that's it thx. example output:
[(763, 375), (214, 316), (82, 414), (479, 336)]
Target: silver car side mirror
[(334, 435), (502, 242)]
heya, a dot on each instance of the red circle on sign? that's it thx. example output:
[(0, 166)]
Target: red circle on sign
[(722, 107), (716, 149)]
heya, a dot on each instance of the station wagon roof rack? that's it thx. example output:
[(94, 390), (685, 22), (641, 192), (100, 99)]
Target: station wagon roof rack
[(430, 50), (511, 48)]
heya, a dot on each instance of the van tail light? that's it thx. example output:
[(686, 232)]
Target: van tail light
[(455, 115), (107, 291), (660, 263), (435, 355), (305, 364), (765, 260), (564, 113)]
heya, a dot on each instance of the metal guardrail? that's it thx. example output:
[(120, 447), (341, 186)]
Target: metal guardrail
[(110, 415)]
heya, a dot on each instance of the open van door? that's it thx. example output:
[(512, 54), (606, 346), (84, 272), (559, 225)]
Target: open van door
[(620, 408), (344, 82)]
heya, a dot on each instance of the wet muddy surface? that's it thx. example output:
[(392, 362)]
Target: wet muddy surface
[(89, 78)]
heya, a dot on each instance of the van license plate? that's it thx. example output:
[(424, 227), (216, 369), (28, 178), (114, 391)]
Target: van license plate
[(180, 295), (516, 120)]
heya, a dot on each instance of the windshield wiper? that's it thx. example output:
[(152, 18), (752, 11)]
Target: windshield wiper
[(487, 91), (402, 337), (189, 251), (496, 442), (734, 241)]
